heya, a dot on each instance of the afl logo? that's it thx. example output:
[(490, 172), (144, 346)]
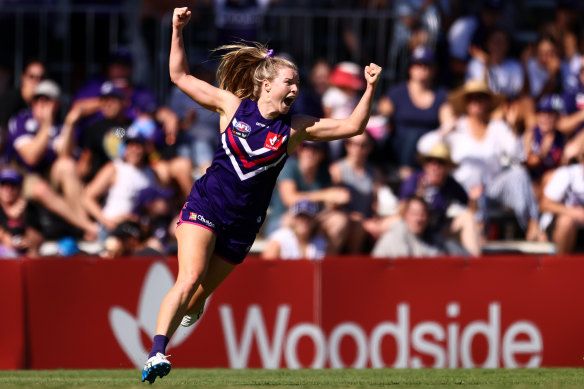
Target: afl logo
[(241, 129)]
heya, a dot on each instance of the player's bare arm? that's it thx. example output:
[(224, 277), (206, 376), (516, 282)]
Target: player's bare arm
[(223, 102), (315, 129)]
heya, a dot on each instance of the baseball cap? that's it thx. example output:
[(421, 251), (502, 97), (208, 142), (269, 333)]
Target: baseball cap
[(134, 135), (423, 55), (109, 89), (146, 127), (11, 176), (47, 88), (305, 207), (550, 103)]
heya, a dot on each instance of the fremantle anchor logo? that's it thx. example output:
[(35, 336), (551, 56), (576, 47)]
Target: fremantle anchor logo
[(127, 328)]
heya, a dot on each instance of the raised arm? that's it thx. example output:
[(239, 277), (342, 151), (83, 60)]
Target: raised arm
[(210, 97), (310, 128)]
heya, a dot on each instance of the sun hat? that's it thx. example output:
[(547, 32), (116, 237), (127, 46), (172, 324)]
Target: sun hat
[(438, 151), (458, 97), (347, 75)]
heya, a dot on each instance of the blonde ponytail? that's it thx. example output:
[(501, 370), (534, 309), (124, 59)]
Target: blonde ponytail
[(243, 68)]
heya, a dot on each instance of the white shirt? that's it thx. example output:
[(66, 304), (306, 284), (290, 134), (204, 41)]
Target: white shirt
[(505, 78), (538, 75), (567, 185), (130, 180), (290, 248), (479, 161)]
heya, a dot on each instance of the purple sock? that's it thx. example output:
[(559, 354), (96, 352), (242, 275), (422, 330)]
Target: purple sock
[(159, 346)]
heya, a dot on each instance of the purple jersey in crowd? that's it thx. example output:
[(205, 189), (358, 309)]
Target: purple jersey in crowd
[(232, 197), (23, 128)]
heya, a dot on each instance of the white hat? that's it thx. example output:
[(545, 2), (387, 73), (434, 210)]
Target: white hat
[(48, 88)]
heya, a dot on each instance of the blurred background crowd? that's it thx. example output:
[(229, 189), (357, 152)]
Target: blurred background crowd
[(475, 136)]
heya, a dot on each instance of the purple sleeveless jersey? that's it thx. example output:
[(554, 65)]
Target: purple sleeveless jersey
[(232, 197)]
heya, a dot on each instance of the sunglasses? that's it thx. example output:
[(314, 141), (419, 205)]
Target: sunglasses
[(477, 97), (35, 77), (438, 161)]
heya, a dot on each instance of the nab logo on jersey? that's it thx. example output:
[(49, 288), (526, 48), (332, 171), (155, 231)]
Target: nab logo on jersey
[(241, 129), (273, 141)]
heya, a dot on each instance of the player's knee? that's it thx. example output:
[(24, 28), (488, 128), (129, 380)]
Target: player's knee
[(187, 284)]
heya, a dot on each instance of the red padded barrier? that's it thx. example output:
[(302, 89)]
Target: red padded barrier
[(512, 311)]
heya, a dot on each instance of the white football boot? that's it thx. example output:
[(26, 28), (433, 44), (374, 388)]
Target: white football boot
[(156, 366), (189, 320)]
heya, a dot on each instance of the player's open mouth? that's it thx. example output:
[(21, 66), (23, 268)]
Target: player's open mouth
[(289, 100)]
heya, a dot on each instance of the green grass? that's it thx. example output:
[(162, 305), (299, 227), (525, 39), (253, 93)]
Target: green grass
[(251, 378)]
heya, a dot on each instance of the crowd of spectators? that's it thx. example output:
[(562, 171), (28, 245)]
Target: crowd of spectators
[(475, 128)]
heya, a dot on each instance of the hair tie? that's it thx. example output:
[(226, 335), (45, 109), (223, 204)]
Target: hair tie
[(270, 54)]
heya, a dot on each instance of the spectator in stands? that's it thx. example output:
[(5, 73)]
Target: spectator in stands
[(363, 180), (17, 99), (43, 149), (309, 102), (563, 205), (563, 28), (494, 66), (504, 75), (120, 180), (100, 142), (451, 211), (545, 70), (341, 98), (119, 72), (299, 240), (471, 30), (544, 144), (170, 167), (571, 121), (405, 238), (198, 138), (572, 57), (415, 107), (307, 177), (127, 239), (19, 222), (417, 21), (488, 154), (154, 213)]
